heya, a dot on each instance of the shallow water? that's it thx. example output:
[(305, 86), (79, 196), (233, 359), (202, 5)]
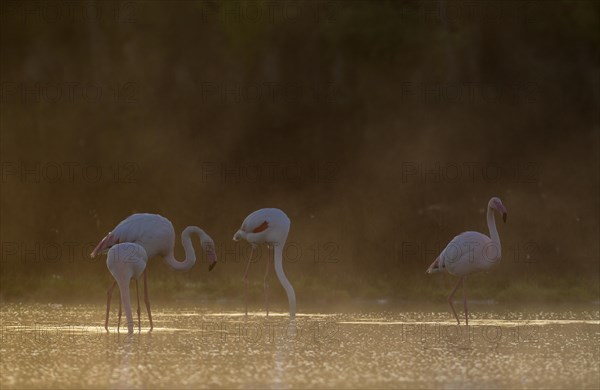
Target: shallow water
[(66, 347)]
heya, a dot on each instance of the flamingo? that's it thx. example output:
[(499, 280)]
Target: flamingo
[(156, 235), (471, 252), (127, 261), (270, 226)]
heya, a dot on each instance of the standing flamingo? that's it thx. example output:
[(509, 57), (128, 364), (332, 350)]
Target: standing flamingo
[(157, 236), (471, 252), (127, 261), (270, 226)]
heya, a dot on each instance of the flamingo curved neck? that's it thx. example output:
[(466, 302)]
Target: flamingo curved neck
[(190, 253), (278, 249), (126, 302), (491, 221)]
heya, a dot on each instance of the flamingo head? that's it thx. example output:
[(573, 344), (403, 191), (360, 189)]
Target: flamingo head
[(211, 255), (239, 235), (496, 204)]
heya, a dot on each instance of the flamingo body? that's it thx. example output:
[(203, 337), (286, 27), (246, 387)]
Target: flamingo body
[(126, 261), (152, 231), (467, 253), (268, 226), (264, 226), (156, 235), (471, 252)]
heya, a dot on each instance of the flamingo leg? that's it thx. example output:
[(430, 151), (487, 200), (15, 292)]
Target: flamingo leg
[(108, 299), (137, 294), (246, 280), (119, 322), (450, 298), (465, 301), (266, 283), (147, 300)]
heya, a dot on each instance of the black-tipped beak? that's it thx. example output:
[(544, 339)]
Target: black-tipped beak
[(210, 267), (504, 217)]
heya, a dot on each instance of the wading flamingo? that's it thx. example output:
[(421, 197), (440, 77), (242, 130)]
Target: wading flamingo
[(269, 226), (471, 252), (127, 261), (156, 235)]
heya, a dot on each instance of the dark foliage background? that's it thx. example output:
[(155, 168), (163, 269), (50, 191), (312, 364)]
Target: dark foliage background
[(381, 127)]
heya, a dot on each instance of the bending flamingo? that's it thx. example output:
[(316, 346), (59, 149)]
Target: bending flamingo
[(471, 252), (269, 226), (127, 261), (157, 236)]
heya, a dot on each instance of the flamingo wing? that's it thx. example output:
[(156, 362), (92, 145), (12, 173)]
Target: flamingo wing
[(261, 228), (463, 254), (256, 222)]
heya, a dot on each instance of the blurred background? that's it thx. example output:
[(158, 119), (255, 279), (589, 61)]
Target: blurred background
[(382, 128)]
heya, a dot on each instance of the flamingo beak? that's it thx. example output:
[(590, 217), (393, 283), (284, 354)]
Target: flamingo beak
[(504, 217)]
